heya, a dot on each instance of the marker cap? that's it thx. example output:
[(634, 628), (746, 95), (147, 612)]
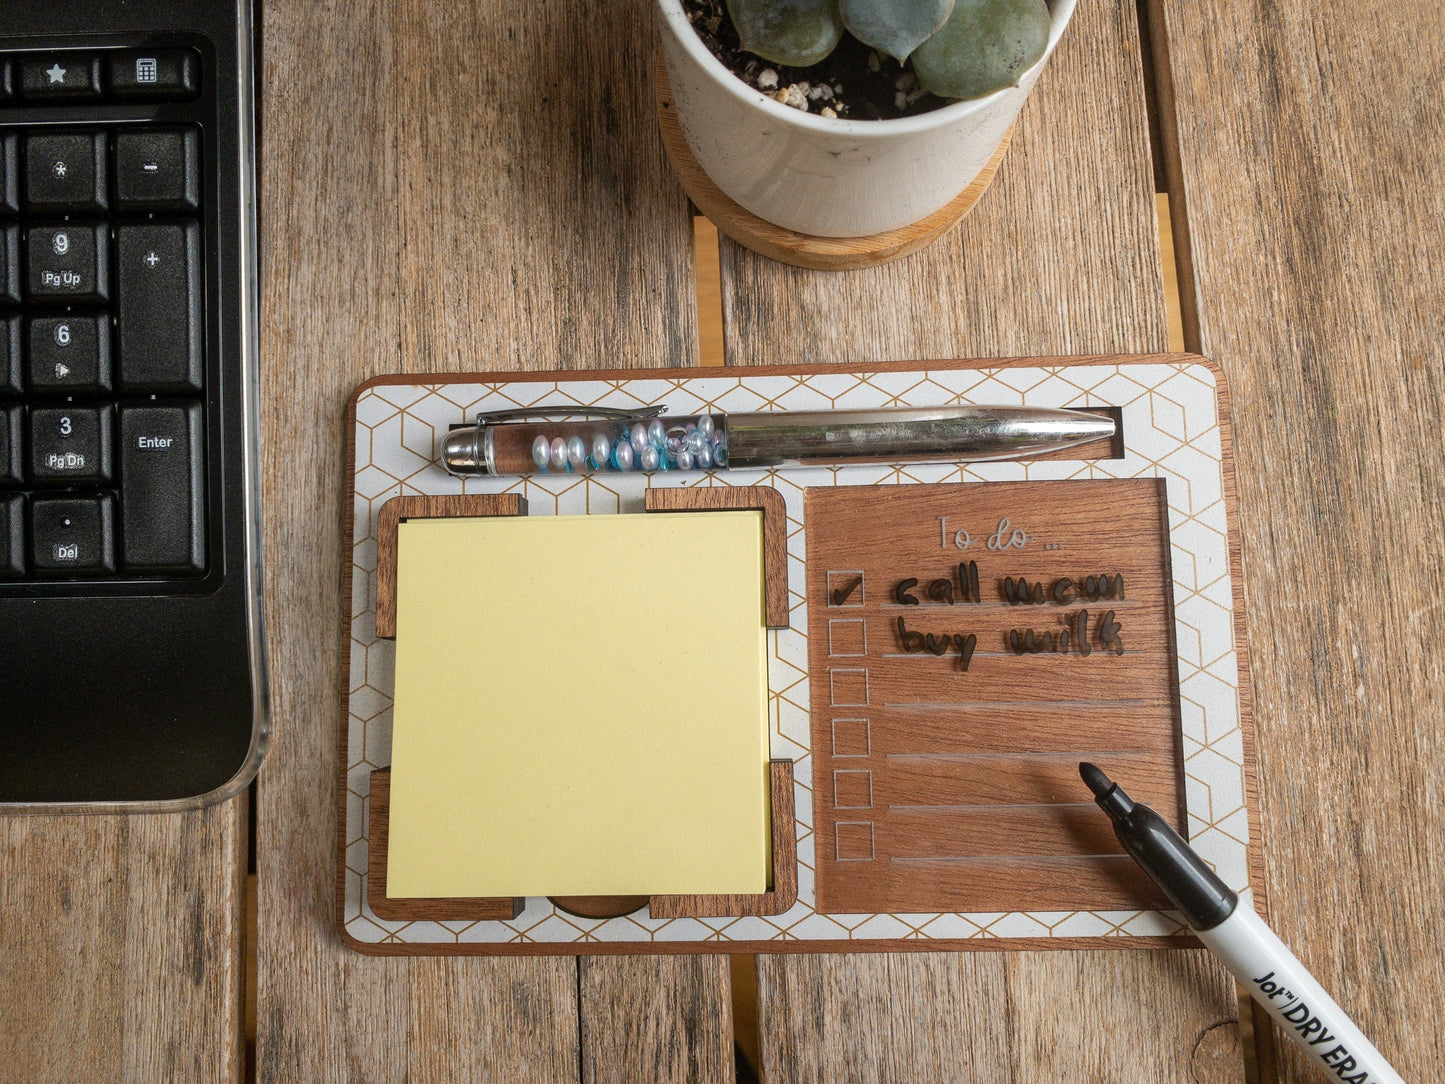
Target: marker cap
[(1180, 873)]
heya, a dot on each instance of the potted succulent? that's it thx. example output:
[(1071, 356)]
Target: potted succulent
[(787, 146)]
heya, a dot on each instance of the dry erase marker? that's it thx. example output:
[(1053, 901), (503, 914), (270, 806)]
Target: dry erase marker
[(584, 440), (1239, 937)]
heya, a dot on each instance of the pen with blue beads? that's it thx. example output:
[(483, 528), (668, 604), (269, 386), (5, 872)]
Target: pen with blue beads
[(586, 440)]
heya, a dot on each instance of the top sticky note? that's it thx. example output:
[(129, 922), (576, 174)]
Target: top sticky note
[(580, 707)]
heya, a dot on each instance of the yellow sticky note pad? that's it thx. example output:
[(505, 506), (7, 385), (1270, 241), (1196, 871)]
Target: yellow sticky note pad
[(580, 707)]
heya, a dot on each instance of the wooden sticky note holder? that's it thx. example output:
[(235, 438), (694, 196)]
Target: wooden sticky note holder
[(783, 891)]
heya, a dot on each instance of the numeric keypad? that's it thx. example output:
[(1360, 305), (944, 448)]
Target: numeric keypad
[(102, 327)]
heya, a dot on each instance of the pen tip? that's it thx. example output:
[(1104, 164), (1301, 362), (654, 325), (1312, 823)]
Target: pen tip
[(1098, 782)]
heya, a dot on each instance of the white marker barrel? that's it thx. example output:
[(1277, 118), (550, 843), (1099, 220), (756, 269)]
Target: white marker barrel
[(1299, 1004)]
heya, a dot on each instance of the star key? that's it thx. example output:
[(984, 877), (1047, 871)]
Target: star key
[(63, 77)]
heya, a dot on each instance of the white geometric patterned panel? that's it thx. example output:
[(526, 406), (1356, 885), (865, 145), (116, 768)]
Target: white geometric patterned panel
[(1172, 430)]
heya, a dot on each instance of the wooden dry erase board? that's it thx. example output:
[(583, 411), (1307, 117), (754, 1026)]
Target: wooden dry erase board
[(958, 637)]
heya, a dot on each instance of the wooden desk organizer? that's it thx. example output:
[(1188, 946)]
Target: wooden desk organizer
[(784, 891), (884, 791)]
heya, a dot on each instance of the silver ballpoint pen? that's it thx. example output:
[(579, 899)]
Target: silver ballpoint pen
[(583, 440)]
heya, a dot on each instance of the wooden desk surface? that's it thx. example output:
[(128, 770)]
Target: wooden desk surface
[(449, 186)]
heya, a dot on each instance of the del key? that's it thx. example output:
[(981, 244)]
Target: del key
[(161, 494)]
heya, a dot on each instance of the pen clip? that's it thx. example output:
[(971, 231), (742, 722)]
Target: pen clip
[(584, 413)]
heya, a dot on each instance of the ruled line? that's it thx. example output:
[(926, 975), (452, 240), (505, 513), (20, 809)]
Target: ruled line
[(1022, 607), (954, 705), (1030, 858), (1048, 754), (990, 807), (952, 653)]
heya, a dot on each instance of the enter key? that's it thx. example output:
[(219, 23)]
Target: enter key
[(162, 491)]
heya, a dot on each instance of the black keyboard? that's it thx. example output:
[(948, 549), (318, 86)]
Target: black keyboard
[(130, 657)]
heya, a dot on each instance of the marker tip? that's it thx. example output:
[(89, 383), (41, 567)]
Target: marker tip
[(1098, 782)]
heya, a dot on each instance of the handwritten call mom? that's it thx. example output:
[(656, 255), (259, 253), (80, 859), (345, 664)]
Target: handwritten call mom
[(962, 585)]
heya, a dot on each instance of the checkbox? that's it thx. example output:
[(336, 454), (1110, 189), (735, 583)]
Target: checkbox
[(848, 688), (852, 738), (853, 841), (847, 636), (852, 789)]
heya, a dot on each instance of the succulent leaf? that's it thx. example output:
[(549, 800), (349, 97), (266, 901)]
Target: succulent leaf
[(792, 32), (986, 45), (895, 26)]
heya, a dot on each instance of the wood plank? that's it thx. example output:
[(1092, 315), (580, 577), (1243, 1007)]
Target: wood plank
[(541, 227), (670, 1024), (120, 946), (975, 1016), (1060, 255), (475, 1020), (444, 187), (1309, 141)]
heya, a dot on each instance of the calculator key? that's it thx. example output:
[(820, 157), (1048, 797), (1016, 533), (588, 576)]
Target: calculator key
[(10, 356), (10, 445), (155, 73), (9, 175), (158, 314), (12, 537), (73, 534), (158, 171), (161, 498), (65, 172), (69, 263), (9, 265), (69, 355), (60, 77), (70, 445)]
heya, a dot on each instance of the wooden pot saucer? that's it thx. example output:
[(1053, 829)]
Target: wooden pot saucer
[(805, 249)]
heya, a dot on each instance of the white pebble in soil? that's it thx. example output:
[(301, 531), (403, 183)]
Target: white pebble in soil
[(795, 95)]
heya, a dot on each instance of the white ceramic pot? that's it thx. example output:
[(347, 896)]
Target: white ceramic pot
[(832, 177)]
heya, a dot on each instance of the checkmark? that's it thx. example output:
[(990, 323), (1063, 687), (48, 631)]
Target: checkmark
[(841, 594)]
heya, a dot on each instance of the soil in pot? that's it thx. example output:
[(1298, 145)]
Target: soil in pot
[(855, 82)]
